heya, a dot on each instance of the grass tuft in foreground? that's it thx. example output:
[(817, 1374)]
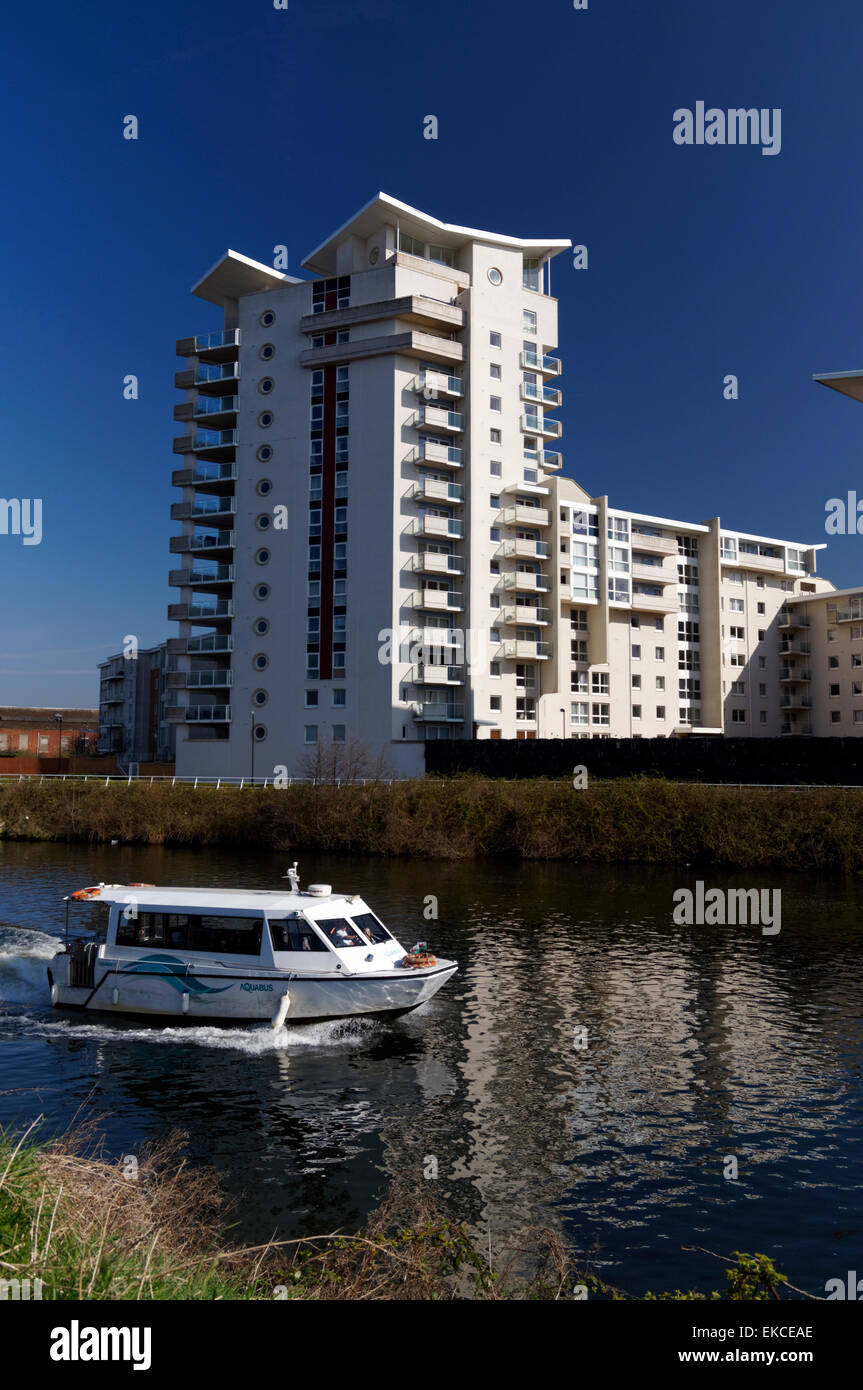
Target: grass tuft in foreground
[(74, 1220)]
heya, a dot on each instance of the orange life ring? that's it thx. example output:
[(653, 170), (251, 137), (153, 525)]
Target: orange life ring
[(87, 893), (419, 961)]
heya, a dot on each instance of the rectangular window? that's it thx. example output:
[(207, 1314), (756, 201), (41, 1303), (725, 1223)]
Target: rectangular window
[(494, 371), (339, 697), (495, 468), (599, 715), (738, 716), (311, 733), (528, 321), (636, 711), (660, 711), (494, 403), (338, 733), (636, 652), (494, 339)]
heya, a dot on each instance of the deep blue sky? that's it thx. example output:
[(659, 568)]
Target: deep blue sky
[(260, 127)]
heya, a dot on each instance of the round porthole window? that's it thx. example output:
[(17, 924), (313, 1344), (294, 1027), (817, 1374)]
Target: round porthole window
[(262, 591), (260, 732), (265, 487), (267, 318), (263, 556), (267, 351), (260, 697), (494, 275), (265, 453), (265, 419), (261, 662), (262, 626), (263, 521), (265, 385)]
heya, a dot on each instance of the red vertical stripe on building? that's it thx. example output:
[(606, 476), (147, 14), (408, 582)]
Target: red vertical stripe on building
[(328, 521)]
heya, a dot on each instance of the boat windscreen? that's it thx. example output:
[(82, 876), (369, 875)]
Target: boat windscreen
[(371, 927), (339, 932)]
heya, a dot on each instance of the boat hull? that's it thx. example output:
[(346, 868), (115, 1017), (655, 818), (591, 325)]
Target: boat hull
[(246, 997)]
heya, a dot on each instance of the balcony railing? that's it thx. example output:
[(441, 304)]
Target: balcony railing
[(429, 451), (536, 424), (437, 526), (437, 383), (548, 396), (521, 515), (529, 549), (431, 674), (523, 616), (526, 580), (201, 679), (787, 621), (532, 362), (788, 674), (431, 416), (435, 562), (214, 439), (794, 649), (222, 540), (206, 342), (208, 372), (521, 647), (215, 405), (209, 642), (437, 599), (440, 713), (551, 460), (207, 714), (441, 492), (201, 612)]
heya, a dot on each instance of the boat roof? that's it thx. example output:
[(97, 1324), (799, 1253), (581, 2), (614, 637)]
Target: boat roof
[(263, 899)]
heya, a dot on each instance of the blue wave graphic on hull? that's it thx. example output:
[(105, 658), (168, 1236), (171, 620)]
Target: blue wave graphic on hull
[(174, 972)]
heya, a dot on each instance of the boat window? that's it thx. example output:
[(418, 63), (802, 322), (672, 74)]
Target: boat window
[(339, 931), (372, 928), (295, 935), (232, 936)]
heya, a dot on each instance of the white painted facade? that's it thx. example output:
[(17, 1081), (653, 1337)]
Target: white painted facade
[(437, 576)]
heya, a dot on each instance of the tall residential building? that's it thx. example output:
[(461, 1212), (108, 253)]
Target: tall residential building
[(377, 546), (133, 694)]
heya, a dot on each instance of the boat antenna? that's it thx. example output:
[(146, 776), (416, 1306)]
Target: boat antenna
[(294, 875)]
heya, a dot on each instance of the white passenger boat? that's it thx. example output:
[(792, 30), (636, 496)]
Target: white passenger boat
[(236, 955)]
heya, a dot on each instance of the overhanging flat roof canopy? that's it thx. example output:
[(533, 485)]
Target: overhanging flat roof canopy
[(235, 275), (385, 209), (849, 383)]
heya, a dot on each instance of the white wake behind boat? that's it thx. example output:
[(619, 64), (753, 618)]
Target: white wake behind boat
[(239, 955)]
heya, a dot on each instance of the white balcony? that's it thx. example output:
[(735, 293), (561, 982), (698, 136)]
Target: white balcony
[(206, 714), (439, 713), (437, 600), (528, 550), (537, 424), (432, 674), (437, 526), (520, 649), (437, 418), (437, 491), (527, 582), (532, 362), (435, 384), (522, 515), (433, 562), (428, 451), (547, 396), (523, 616)]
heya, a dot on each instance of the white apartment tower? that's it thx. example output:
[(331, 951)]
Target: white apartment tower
[(378, 548)]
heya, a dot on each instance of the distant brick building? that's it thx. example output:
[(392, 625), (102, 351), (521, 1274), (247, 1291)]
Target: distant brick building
[(48, 733)]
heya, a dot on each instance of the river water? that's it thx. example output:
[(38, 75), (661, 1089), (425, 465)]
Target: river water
[(703, 1044)]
